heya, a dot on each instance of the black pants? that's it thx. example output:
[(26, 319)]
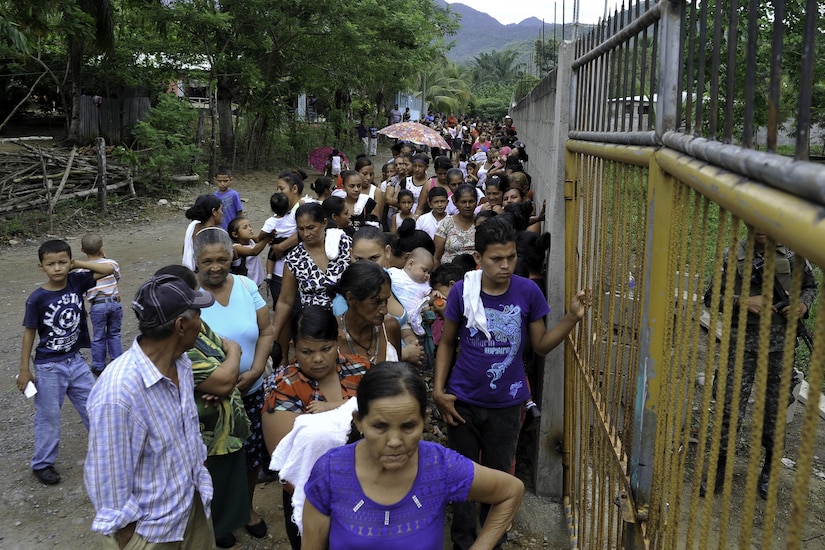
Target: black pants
[(291, 529), (488, 437)]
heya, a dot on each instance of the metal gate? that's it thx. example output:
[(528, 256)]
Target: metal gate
[(677, 113)]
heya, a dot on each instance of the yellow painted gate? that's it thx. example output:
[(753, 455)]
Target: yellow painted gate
[(687, 157)]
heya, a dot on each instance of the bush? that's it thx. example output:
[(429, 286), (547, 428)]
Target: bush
[(166, 141)]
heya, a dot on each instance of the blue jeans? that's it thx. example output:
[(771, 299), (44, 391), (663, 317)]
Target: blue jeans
[(488, 437), (54, 381), (106, 320)]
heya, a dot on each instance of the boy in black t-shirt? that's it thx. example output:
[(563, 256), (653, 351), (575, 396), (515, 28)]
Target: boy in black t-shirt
[(55, 315)]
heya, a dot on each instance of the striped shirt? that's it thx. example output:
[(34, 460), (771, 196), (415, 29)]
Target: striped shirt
[(146, 456), (106, 287)]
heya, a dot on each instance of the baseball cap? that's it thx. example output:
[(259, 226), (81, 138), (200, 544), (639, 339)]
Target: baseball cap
[(164, 297)]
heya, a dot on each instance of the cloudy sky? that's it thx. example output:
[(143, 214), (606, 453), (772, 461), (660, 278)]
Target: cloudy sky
[(515, 12)]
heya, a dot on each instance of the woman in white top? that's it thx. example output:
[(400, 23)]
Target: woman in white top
[(206, 212), (364, 167)]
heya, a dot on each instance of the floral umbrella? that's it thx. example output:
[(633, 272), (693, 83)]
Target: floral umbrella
[(319, 156), (416, 133)]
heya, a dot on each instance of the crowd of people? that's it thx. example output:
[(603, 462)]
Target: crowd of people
[(435, 265), (372, 283)]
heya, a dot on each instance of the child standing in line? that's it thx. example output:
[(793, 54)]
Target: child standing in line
[(104, 309), (245, 250), (437, 199), (442, 280), (230, 199), (323, 188), (387, 171), (55, 314), (472, 173), (276, 229), (462, 163), (373, 148), (405, 206), (337, 163)]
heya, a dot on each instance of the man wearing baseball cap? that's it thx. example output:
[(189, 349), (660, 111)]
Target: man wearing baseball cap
[(145, 471)]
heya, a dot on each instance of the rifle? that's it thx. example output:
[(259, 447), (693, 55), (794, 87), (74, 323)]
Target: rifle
[(781, 301)]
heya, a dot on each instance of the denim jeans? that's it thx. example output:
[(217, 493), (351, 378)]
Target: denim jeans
[(488, 437), (106, 320), (54, 381)]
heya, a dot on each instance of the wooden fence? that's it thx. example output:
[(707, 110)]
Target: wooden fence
[(111, 118)]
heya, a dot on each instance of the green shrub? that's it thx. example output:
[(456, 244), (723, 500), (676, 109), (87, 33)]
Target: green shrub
[(166, 141)]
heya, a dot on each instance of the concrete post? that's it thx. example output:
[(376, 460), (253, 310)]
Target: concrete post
[(548, 469)]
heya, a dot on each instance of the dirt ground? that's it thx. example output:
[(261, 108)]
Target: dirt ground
[(34, 516)]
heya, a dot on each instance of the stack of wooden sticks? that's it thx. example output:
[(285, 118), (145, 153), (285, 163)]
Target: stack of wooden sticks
[(32, 177)]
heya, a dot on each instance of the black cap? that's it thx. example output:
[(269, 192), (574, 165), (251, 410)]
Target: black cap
[(165, 297)]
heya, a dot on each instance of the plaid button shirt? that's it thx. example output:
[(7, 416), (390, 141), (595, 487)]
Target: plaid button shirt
[(146, 456)]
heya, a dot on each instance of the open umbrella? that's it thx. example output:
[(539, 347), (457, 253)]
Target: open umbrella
[(319, 156), (416, 133)]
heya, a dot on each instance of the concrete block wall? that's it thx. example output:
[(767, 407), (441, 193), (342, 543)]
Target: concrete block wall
[(542, 120)]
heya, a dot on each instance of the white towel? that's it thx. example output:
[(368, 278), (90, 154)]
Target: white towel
[(311, 436), (473, 306), (360, 204), (332, 243)]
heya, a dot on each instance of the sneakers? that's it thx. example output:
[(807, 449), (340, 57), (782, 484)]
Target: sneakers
[(47, 476)]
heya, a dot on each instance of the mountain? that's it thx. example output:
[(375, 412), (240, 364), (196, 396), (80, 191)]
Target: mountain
[(480, 32)]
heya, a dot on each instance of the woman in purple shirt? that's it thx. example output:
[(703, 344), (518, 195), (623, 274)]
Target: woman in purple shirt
[(391, 489)]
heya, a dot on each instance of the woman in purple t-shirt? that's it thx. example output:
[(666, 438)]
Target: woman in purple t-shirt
[(391, 489)]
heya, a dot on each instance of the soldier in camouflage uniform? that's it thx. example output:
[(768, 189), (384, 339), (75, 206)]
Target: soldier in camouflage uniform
[(750, 296)]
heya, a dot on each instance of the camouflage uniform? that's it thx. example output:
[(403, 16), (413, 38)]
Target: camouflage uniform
[(783, 270)]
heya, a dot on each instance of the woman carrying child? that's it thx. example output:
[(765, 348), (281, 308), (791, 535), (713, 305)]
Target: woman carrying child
[(313, 266), (321, 379)]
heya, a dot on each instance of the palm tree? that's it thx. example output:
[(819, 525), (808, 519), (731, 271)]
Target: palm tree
[(448, 86), (495, 67)]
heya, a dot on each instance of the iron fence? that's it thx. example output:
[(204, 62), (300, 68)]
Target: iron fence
[(668, 184)]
